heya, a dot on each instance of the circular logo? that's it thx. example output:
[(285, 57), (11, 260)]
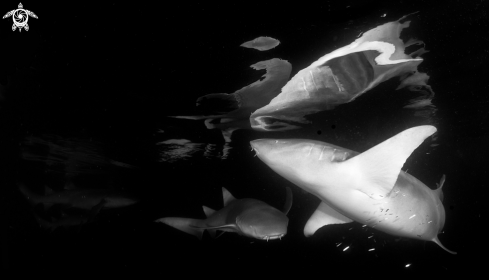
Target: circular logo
[(20, 17)]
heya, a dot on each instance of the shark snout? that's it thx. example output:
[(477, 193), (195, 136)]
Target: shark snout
[(273, 237), (264, 146), (259, 145)]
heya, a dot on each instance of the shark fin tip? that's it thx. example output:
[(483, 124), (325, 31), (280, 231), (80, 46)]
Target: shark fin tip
[(437, 241)]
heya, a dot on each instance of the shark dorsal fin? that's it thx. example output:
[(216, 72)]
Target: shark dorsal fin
[(379, 167), (323, 216), (208, 211), (227, 196), (288, 200)]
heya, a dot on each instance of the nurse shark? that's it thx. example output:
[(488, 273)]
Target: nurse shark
[(248, 217), (369, 188)]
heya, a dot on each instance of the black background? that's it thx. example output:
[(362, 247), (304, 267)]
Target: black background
[(112, 72)]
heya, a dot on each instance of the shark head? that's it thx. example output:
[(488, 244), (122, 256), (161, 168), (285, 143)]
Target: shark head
[(297, 160), (263, 222)]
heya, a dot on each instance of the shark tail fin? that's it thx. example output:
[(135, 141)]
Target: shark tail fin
[(184, 224)]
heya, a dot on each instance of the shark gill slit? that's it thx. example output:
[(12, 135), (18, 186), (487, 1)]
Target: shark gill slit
[(321, 155)]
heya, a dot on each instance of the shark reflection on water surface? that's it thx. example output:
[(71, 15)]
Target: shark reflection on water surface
[(369, 188), (84, 199), (247, 216), (72, 206)]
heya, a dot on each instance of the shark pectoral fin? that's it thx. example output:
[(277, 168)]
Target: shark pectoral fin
[(227, 196), (184, 224), (228, 228), (379, 167), (208, 211), (288, 200), (224, 228), (324, 215)]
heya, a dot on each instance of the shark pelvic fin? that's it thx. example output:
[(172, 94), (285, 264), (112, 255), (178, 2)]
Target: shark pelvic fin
[(227, 196), (379, 167), (185, 225), (288, 200), (324, 215), (439, 190)]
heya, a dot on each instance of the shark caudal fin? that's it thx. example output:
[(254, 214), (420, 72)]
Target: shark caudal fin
[(379, 167), (184, 224)]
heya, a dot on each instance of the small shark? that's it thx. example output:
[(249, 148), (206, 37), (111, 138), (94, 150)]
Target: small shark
[(247, 216), (66, 220), (369, 188), (85, 199)]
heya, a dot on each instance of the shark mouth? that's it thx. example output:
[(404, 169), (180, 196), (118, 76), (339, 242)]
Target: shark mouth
[(272, 237)]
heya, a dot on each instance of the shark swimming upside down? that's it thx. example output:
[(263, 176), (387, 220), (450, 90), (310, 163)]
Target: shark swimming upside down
[(369, 188)]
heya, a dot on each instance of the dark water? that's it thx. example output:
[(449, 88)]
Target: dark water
[(89, 89)]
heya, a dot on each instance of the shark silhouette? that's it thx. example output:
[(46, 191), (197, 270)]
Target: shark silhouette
[(66, 221), (85, 199), (369, 188), (248, 217)]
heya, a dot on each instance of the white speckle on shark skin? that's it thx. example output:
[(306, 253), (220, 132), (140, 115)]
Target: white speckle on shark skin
[(408, 265), (371, 249), (346, 248), (412, 216)]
